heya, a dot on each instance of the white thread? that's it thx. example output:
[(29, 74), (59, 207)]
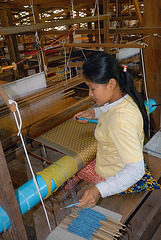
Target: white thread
[(65, 61), (94, 8), (38, 42), (83, 53), (19, 125), (68, 62), (72, 8)]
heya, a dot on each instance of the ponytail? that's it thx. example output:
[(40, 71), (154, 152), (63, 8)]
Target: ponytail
[(129, 87)]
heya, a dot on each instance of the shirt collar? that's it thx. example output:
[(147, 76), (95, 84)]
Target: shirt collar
[(108, 105)]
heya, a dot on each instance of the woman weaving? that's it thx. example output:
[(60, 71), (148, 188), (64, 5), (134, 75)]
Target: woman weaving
[(122, 121)]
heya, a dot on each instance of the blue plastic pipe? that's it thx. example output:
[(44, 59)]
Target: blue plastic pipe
[(4, 221), (27, 198)]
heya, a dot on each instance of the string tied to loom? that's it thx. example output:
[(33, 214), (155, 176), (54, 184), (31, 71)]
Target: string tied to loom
[(19, 126)]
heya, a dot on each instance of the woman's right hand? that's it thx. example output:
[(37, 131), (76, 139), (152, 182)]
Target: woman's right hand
[(90, 113)]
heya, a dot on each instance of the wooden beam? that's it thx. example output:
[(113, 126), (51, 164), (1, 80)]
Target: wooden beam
[(152, 227), (106, 27), (138, 12), (98, 45), (10, 39), (143, 30), (9, 203), (40, 26)]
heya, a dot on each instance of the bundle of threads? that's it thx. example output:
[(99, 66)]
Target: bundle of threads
[(91, 224)]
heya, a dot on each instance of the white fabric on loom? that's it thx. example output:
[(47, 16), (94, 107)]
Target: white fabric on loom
[(129, 175)]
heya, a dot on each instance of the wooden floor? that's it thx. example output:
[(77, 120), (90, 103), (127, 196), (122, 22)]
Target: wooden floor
[(35, 222)]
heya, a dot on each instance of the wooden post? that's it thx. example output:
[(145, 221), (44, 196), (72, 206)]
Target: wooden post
[(90, 36), (9, 203), (10, 40), (106, 10), (152, 59)]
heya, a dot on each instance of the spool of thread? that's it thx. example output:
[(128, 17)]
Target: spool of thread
[(13, 66)]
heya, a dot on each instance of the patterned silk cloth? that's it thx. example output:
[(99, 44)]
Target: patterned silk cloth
[(73, 139)]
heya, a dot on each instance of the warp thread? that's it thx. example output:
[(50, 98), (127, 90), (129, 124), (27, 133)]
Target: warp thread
[(59, 171)]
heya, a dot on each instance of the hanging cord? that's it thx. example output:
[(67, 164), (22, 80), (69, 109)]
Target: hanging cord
[(68, 62), (145, 85), (36, 35), (58, 40), (99, 30), (65, 53), (72, 8), (83, 53), (94, 8), (19, 125)]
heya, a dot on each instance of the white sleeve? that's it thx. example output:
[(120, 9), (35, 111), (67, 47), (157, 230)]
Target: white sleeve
[(122, 180)]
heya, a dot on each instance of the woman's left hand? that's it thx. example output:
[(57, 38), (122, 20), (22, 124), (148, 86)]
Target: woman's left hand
[(90, 197)]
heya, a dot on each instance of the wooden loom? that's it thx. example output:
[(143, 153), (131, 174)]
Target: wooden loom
[(49, 102)]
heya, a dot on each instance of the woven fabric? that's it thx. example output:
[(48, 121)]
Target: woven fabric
[(74, 139)]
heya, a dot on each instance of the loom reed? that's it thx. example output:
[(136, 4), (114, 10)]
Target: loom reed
[(91, 224)]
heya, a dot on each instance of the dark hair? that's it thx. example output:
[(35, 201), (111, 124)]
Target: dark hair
[(101, 67)]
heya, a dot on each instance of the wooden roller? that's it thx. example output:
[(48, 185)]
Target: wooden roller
[(13, 66)]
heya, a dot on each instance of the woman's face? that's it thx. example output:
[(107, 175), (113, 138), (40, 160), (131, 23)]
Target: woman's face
[(100, 93)]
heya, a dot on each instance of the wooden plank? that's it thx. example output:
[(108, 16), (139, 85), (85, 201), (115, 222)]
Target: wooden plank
[(152, 226), (106, 26), (9, 203), (146, 30)]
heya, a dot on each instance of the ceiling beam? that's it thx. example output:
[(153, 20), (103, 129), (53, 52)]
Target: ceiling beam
[(40, 26)]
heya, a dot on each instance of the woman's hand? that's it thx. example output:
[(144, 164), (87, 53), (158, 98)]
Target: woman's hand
[(90, 113), (90, 197)]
